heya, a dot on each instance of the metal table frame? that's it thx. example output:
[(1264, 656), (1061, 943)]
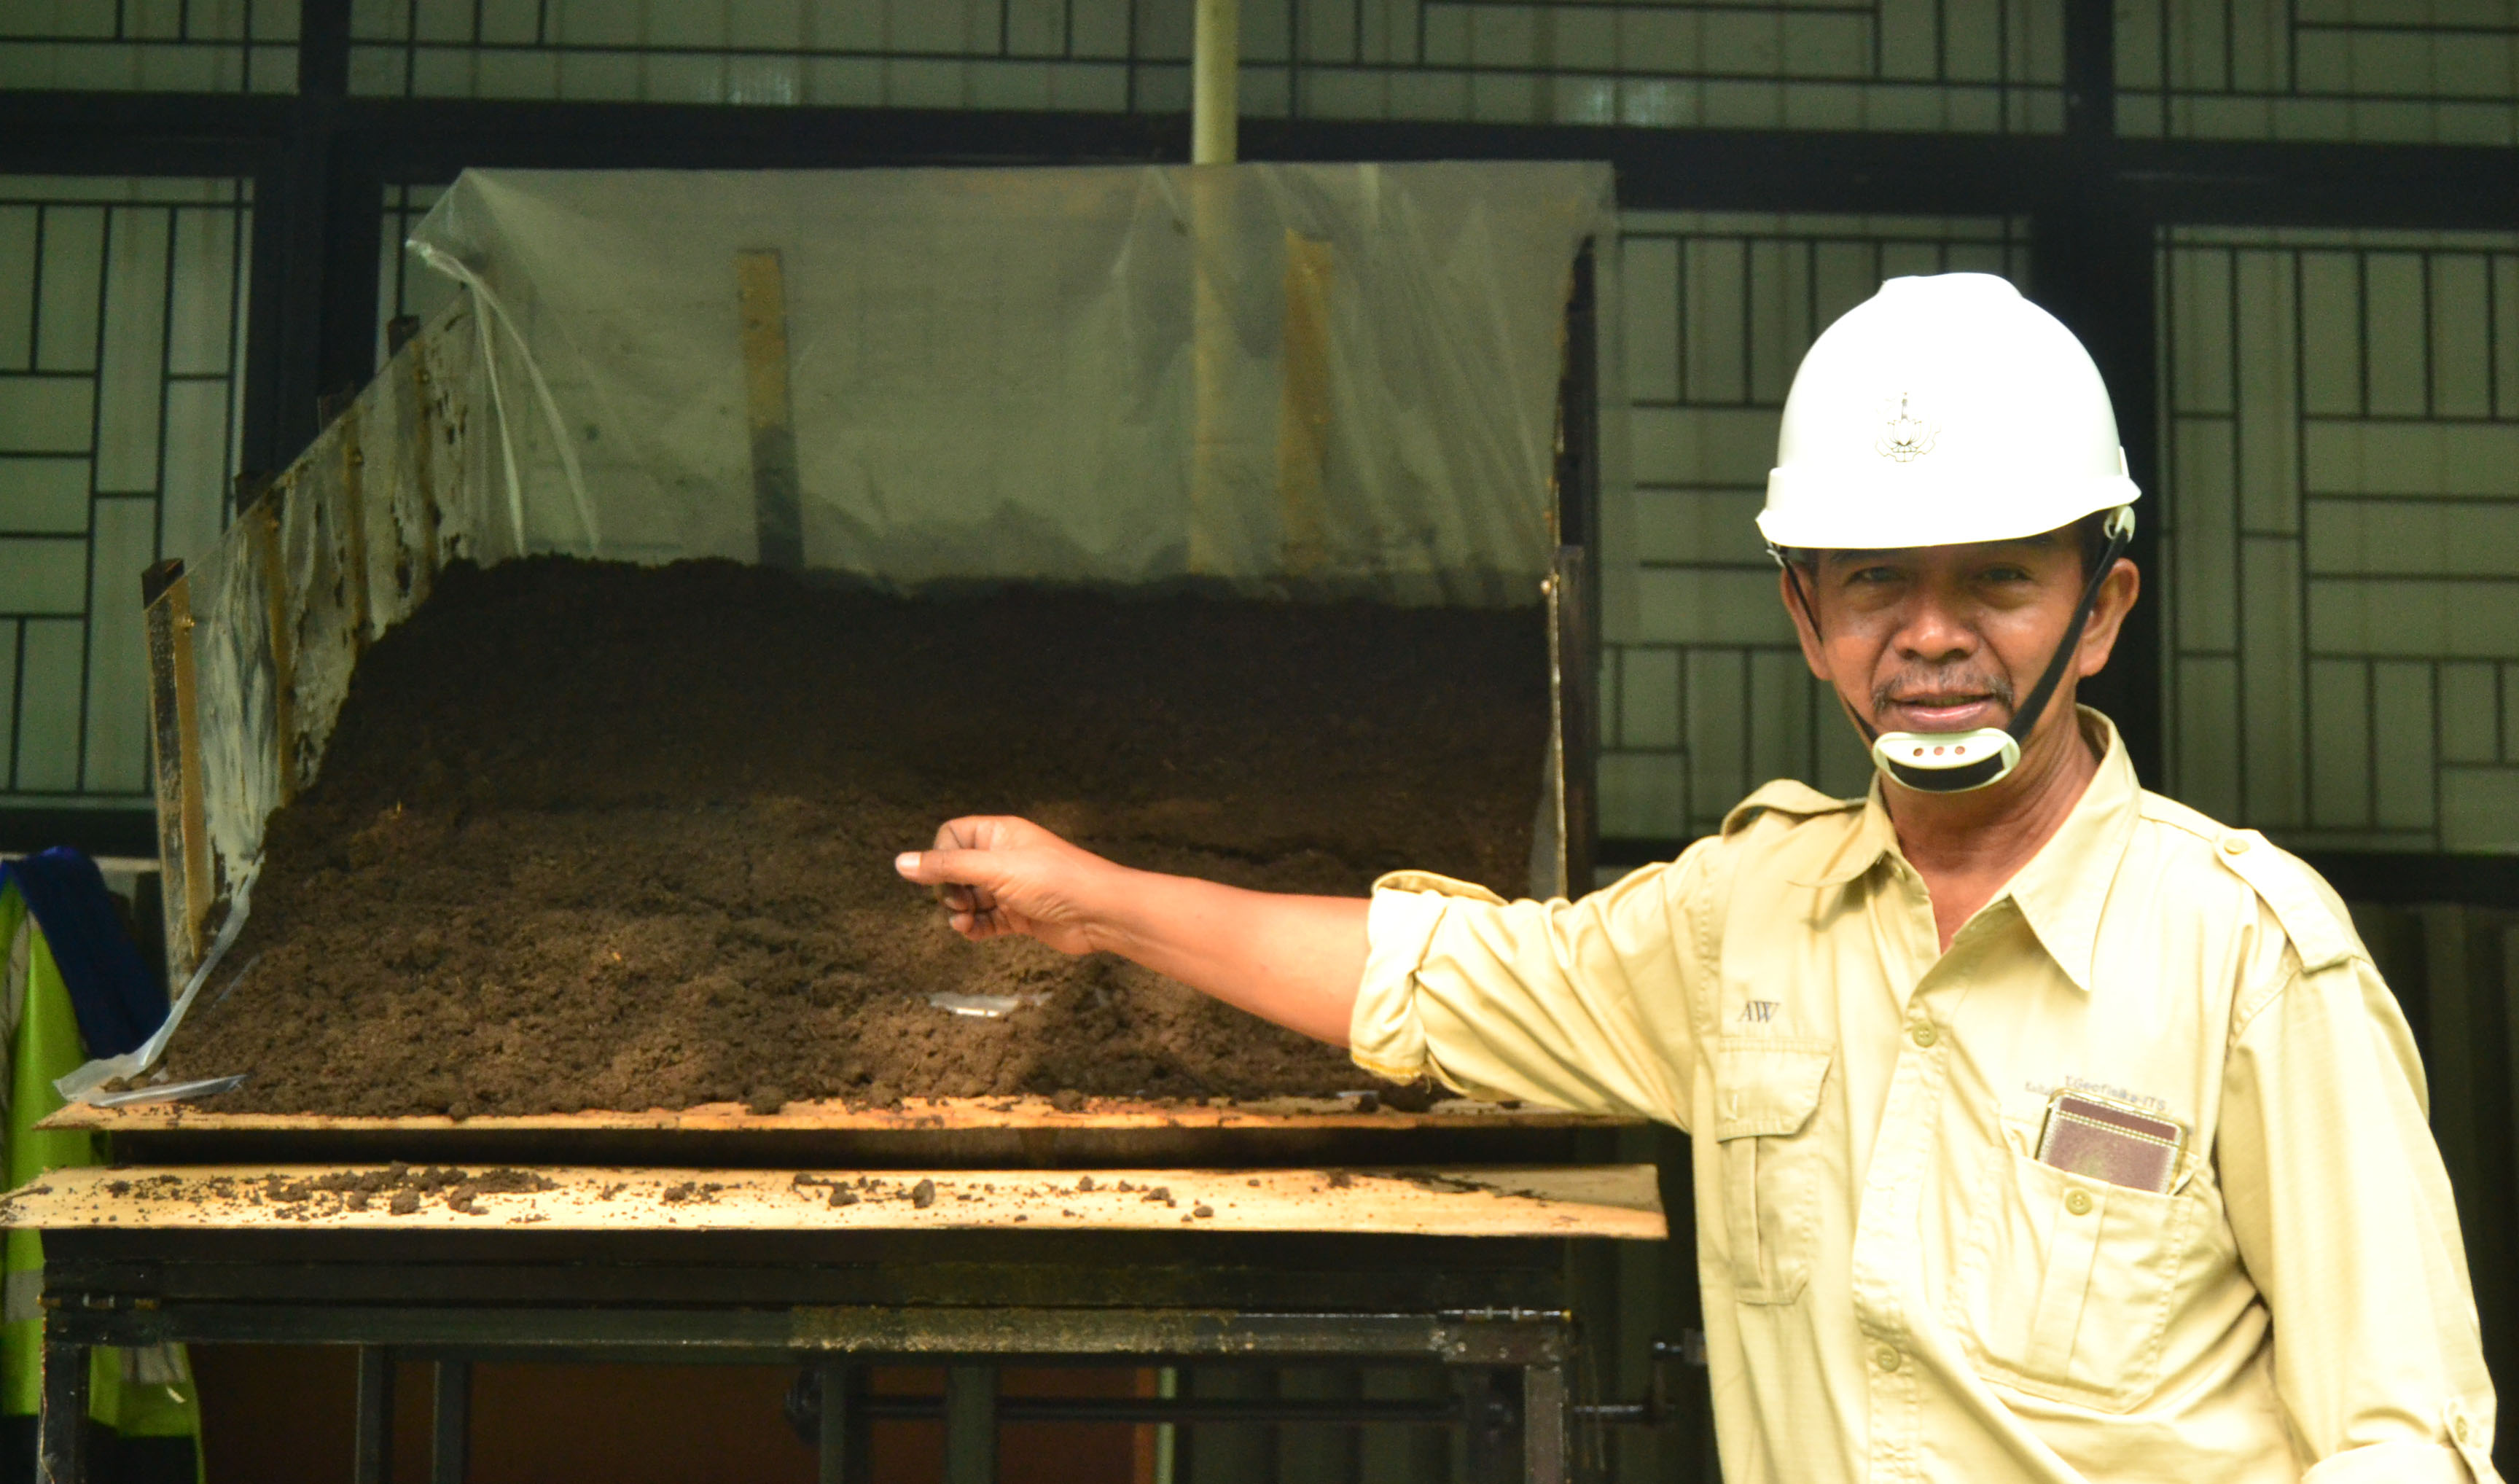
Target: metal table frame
[(1492, 1312)]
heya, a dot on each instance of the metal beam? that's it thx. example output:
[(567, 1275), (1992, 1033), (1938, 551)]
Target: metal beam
[(2205, 182), (886, 1332)]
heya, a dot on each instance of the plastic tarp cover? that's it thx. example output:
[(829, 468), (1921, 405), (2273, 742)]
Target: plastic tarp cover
[(1332, 380)]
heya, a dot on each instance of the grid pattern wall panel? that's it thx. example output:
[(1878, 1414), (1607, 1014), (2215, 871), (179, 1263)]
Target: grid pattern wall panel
[(156, 46), (1961, 65), (2374, 70), (1705, 694), (121, 340), (2342, 545)]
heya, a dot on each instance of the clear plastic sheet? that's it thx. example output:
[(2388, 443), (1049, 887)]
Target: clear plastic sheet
[(1279, 376), (1305, 382)]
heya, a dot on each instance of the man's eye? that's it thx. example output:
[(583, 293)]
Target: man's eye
[(1872, 575)]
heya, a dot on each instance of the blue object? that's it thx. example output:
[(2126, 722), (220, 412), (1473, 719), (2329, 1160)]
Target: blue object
[(117, 1003)]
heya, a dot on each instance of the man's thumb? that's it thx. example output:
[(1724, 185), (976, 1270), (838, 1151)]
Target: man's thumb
[(944, 868)]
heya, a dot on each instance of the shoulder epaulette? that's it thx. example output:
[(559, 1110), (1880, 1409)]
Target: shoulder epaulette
[(2311, 915)]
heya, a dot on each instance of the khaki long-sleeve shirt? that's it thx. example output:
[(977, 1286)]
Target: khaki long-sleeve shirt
[(1895, 1286)]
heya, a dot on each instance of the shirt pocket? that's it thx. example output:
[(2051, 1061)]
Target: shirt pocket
[(1766, 1093), (2065, 1283)]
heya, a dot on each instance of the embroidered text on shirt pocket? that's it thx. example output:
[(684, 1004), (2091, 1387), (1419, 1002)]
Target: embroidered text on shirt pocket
[(1765, 1092), (2064, 1285)]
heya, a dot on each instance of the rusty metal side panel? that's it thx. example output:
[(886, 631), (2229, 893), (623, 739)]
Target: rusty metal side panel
[(175, 747), (344, 546)]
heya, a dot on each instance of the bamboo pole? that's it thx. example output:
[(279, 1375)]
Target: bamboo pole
[(1303, 405), (1215, 58), (1216, 61), (761, 295)]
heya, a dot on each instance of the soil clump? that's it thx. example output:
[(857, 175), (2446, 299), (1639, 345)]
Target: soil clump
[(595, 836)]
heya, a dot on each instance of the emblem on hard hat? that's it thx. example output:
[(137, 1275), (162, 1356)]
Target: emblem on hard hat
[(1907, 437)]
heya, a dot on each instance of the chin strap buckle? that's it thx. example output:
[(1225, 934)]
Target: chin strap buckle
[(1946, 762)]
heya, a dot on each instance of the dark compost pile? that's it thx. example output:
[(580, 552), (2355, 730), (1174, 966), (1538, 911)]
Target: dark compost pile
[(592, 836)]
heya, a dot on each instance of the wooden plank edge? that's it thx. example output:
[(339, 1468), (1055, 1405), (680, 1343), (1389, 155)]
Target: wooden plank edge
[(915, 1114), (1585, 1200)]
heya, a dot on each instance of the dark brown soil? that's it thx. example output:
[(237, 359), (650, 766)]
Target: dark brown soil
[(591, 836)]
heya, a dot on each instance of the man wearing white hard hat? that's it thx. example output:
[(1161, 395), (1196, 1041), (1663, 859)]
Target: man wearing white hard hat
[(2044, 1129)]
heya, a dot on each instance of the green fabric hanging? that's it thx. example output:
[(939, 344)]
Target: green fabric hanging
[(140, 1393)]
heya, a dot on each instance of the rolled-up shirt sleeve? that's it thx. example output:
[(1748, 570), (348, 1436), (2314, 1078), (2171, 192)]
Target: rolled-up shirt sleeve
[(1581, 1005), (2343, 1215)]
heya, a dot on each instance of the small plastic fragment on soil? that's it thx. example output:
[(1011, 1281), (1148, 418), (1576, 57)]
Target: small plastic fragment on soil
[(987, 1007), (923, 1194)]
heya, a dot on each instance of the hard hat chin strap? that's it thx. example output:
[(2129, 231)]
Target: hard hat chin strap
[(1954, 763)]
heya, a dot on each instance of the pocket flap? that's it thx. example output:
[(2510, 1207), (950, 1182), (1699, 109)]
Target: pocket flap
[(1766, 1088)]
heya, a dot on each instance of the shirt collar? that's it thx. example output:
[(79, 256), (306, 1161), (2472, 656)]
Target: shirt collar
[(2061, 891)]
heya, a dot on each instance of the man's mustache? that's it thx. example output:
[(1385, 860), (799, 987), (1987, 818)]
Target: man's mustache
[(1909, 683)]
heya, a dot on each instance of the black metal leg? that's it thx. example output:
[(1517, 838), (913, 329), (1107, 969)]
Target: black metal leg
[(845, 1440), (1545, 1454), (1491, 1405), (371, 1458), (60, 1437), (971, 1425), (450, 1428)]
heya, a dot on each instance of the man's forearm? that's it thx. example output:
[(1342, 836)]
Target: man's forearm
[(1296, 960)]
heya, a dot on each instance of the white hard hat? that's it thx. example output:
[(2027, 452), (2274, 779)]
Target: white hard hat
[(1942, 410)]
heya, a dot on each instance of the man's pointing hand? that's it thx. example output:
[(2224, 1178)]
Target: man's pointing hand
[(998, 875)]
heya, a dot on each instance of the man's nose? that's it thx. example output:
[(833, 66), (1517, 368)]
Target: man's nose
[(1933, 631)]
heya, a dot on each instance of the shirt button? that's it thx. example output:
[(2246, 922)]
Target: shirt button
[(2234, 844), (1886, 1358), (2461, 1431), (2078, 1203), (1925, 1035)]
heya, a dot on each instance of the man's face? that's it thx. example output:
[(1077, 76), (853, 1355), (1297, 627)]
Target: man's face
[(1951, 638)]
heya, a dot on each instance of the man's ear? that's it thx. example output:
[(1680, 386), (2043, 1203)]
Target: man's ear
[(2117, 594), (1813, 654)]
